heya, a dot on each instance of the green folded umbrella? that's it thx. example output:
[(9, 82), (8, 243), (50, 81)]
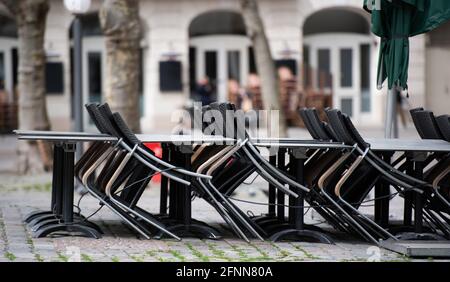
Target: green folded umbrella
[(395, 21)]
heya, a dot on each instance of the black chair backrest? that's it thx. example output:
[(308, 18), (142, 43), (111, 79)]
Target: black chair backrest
[(91, 109), (416, 121), (426, 122), (335, 119), (103, 125), (444, 125), (308, 125), (327, 127), (124, 130), (351, 129), (317, 124)]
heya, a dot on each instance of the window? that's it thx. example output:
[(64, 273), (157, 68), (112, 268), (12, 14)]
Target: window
[(95, 76), (234, 65), (324, 78), (365, 78), (251, 60), (54, 78), (211, 70), (346, 67), (2, 71), (170, 76)]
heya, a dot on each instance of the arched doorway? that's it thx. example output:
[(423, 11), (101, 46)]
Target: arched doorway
[(94, 64), (337, 43), (8, 56), (219, 50)]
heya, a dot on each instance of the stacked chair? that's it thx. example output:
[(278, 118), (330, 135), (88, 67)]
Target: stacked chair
[(337, 181), (438, 166), (354, 174)]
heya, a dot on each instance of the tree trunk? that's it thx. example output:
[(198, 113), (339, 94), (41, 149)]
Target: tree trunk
[(122, 30), (264, 61), (30, 16)]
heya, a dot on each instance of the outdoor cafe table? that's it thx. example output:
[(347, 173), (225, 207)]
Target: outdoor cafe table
[(61, 211), (63, 180), (294, 229), (416, 151), (177, 150)]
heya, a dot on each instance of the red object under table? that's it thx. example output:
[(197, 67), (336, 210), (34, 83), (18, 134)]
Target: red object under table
[(156, 148)]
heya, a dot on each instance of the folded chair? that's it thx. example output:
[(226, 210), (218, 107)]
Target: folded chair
[(128, 159), (397, 179), (335, 191), (436, 128), (270, 173)]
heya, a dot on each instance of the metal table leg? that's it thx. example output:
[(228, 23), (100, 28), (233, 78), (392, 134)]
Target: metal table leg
[(180, 196), (297, 230), (382, 192), (66, 223), (55, 211), (419, 232)]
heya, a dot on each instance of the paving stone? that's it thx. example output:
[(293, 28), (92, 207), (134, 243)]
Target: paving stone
[(119, 242)]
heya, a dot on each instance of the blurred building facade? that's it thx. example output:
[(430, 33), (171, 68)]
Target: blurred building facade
[(326, 43)]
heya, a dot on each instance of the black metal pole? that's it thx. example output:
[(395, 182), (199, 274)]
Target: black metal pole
[(78, 79), (272, 190), (280, 194)]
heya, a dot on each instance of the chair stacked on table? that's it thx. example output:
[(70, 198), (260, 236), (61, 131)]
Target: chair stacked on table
[(337, 181), (352, 175)]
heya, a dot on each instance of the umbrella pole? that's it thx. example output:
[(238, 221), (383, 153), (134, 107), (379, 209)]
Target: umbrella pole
[(391, 114)]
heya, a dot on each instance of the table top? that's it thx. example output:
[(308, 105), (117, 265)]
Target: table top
[(311, 144), (416, 145), (176, 139), (61, 136), (377, 144)]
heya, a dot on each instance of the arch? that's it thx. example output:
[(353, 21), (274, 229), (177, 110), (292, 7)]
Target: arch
[(336, 20), (217, 22)]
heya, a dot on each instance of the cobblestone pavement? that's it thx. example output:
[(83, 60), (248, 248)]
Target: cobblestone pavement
[(21, 195)]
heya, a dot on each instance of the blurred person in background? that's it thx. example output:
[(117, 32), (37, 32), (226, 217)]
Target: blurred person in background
[(254, 91), (204, 90), (3, 93), (239, 96), (402, 106)]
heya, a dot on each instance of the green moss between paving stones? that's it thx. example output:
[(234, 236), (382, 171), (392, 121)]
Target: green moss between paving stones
[(62, 257), (38, 257), (306, 253), (197, 253), (10, 256), (177, 255), (218, 253), (86, 258)]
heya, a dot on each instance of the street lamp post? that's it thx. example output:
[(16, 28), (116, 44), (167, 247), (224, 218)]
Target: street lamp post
[(77, 8)]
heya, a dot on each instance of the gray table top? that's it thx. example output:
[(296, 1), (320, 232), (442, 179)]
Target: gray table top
[(417, 145), (60, 136), (377, 144), (195, 138), (311, 144)]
